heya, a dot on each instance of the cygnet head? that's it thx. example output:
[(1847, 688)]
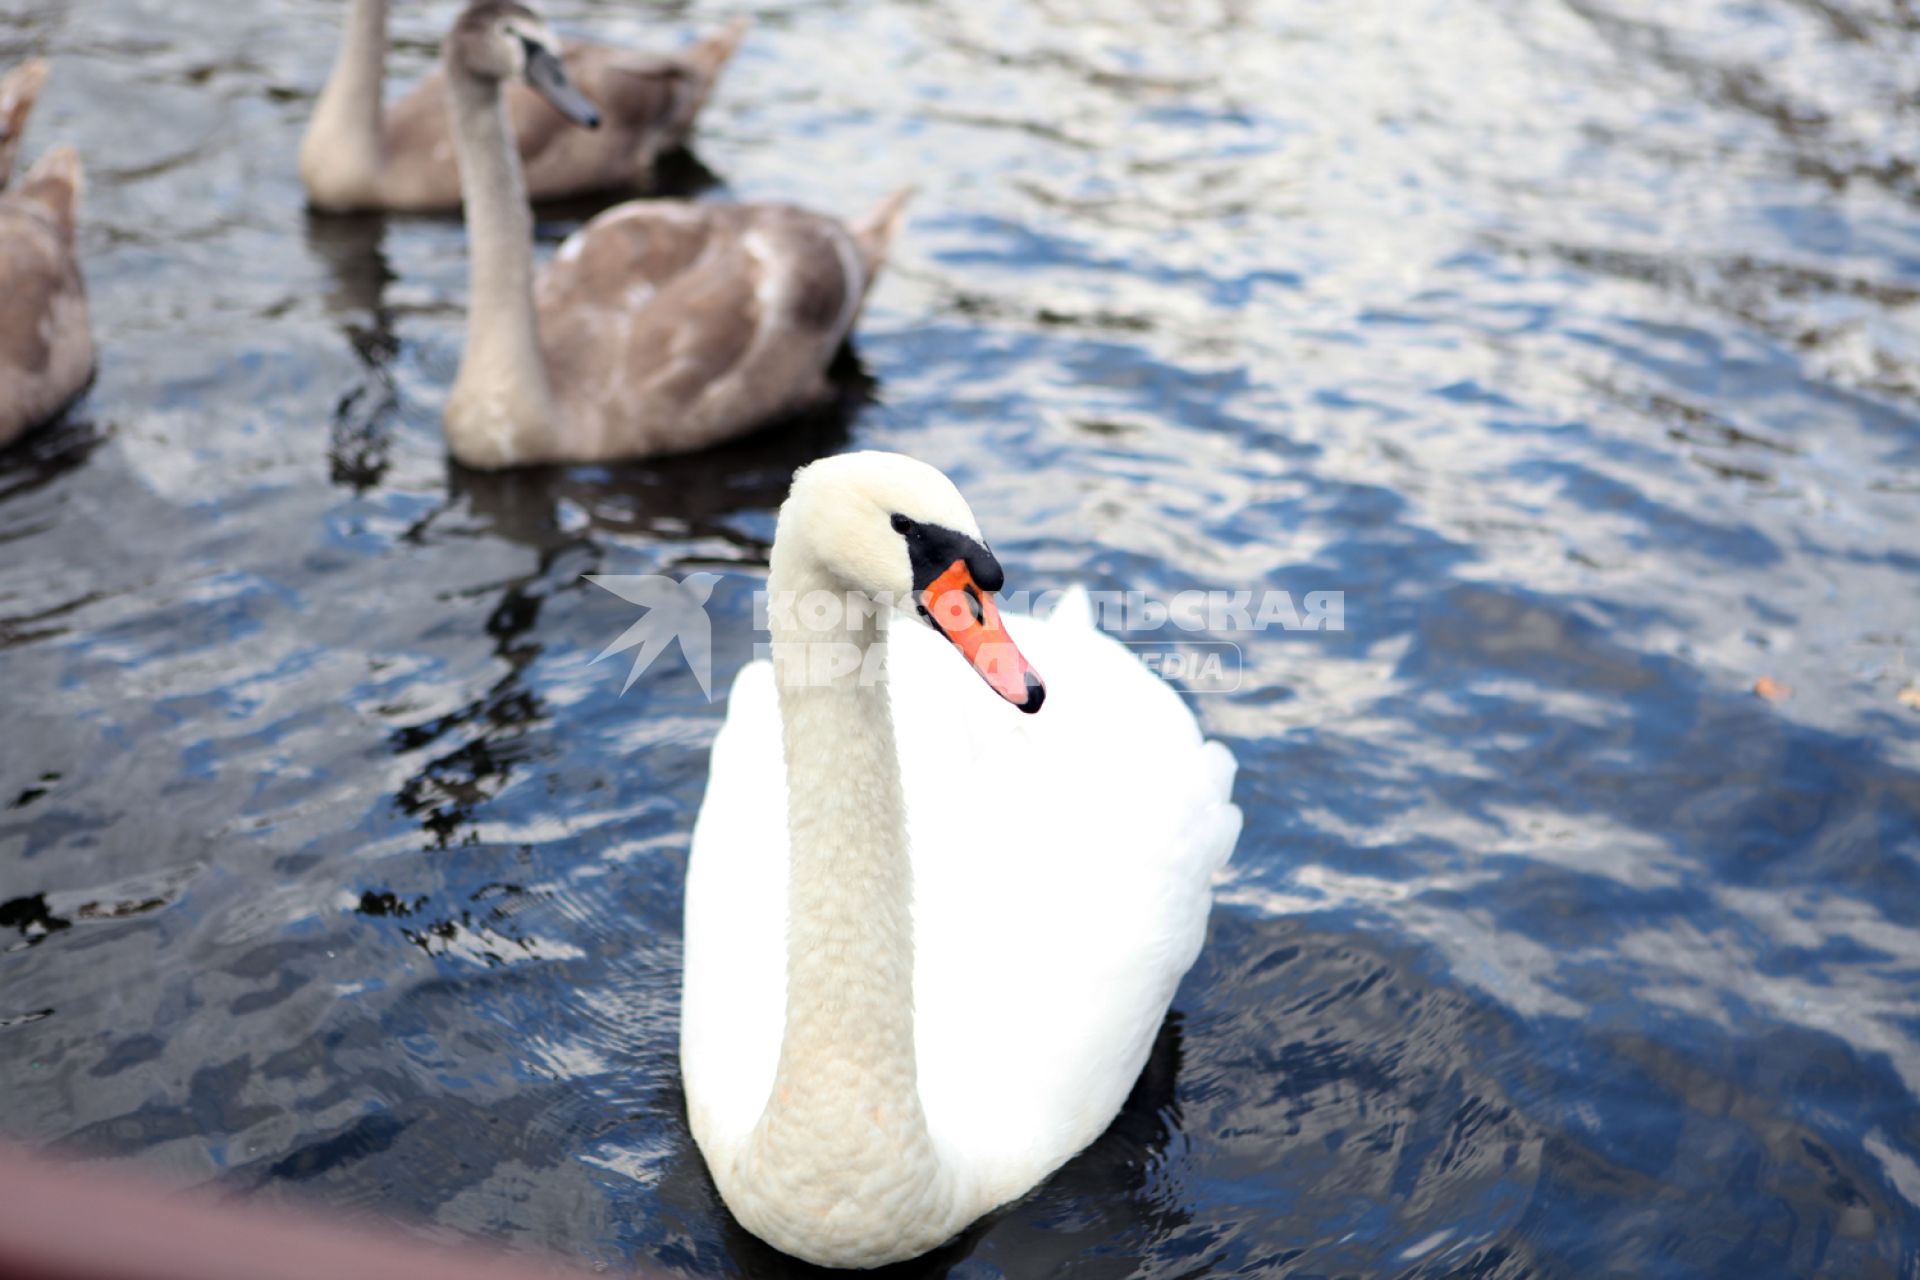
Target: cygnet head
[(896, 530), (497, 40)]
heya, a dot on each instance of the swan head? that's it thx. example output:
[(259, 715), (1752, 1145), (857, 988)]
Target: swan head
[(897, 531), (498, 40)]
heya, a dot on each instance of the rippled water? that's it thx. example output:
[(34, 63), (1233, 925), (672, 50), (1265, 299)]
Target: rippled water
[(1576, 342)]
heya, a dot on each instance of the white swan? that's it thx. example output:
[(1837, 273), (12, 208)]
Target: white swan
[(932, 974)]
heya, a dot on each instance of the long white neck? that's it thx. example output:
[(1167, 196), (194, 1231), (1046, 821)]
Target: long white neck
[(501, 407), (340, 157), (841, 1156)]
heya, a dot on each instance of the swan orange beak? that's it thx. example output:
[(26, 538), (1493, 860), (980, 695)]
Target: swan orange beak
[(964, 614)]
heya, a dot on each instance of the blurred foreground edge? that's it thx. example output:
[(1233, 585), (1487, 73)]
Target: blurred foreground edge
[(66, 1221)]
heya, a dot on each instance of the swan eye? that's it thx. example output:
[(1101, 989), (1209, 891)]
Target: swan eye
[(901, 524)]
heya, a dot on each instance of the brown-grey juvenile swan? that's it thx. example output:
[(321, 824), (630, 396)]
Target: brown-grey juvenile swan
[(46, 341), (361, 154), (659, 327), (929, 941)]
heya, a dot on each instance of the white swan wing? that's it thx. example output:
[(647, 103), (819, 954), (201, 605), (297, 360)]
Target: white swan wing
[(1062, 880)]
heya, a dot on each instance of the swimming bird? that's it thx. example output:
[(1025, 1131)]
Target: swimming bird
[(660, 326), (46, 341), (360, 154), (929, 940), (19, 90)]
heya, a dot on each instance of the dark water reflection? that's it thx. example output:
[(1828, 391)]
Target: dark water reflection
[(1574, 342)]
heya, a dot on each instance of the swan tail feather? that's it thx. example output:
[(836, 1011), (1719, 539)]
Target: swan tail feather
[(19, 90), (715, 51), (56, 182), (875, 230)]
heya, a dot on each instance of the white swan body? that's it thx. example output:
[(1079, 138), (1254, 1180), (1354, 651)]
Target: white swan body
[(1056, 887)]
